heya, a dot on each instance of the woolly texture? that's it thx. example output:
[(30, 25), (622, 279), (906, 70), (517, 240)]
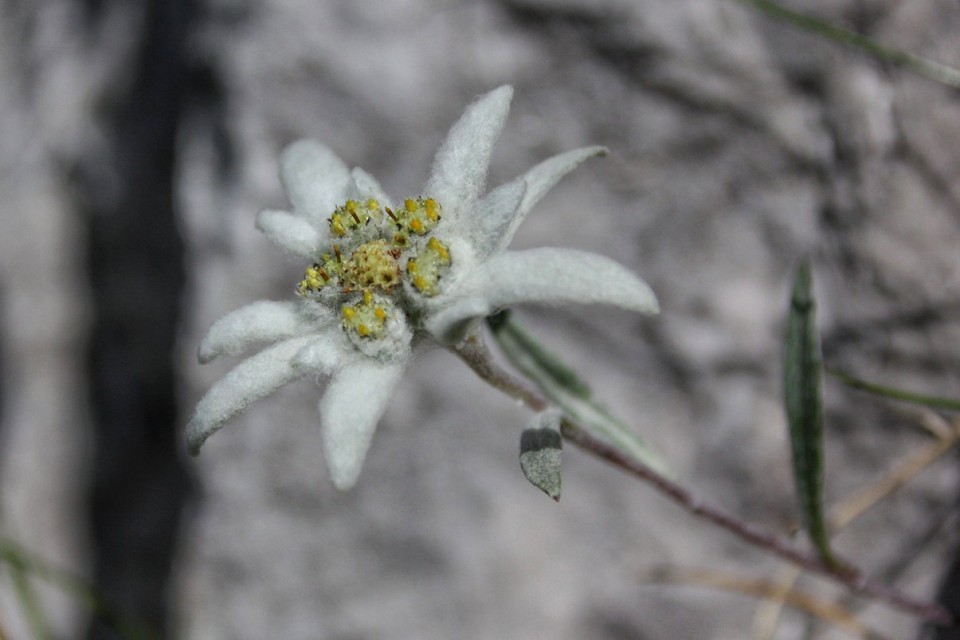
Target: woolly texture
[(559, 275), (349, 412), (289, 232), (257, 323), (443, 253), (460, 166), (314, 179), (252, 379)]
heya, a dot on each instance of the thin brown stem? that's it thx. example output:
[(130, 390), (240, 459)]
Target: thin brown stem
[(478, 357), (851, 578), (474, 351)]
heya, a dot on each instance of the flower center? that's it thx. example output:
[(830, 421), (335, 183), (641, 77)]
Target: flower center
[(376, 249), (373, 264)]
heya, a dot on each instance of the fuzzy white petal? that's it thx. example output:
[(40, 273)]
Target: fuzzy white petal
[(366, 186), (291, 233), (460, 166), (350, 409), (321, 356), (557, 276), (450, 325), (494, 215), (540, 179), (254, 378), (315, 179), (250, 325)]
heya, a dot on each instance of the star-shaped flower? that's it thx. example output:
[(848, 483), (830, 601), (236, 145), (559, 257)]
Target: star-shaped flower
[(384, 278)]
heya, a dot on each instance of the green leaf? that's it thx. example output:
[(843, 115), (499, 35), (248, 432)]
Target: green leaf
[(561, 384), (802, 386), (541, 449)]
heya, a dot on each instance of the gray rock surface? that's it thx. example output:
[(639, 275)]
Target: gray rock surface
[(738, 145)]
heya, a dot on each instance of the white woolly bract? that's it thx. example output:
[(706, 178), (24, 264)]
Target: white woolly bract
[(478, 279), (349, 412), (314, 179), (460, 166), (254, 378), (553, 276), (255, 324), (291, 233)]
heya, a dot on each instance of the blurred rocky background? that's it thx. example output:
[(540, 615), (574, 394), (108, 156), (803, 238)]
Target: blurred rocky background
[(138, 139)]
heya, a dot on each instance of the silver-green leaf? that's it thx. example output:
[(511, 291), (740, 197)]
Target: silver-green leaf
[(541, 449)]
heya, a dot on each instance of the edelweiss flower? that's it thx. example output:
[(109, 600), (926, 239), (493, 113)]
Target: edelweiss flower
[(384, 277)]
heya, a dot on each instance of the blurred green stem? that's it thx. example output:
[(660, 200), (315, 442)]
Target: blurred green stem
[(925, 67), (22, 563), (27, 596), (934, 402)]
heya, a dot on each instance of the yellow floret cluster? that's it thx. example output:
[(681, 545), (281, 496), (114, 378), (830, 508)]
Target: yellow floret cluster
[(375, 249), (367, 318), (427, 266), (353, 215)]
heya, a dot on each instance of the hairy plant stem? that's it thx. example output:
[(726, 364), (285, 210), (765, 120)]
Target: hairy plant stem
[(474, 352)]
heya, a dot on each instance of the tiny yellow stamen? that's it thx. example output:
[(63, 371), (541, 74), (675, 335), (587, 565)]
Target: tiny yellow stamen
[(433, 213), (363, 330), (416, 226), (367, 297), (410, 205), (420, 283), (380, 313), (349, 313)]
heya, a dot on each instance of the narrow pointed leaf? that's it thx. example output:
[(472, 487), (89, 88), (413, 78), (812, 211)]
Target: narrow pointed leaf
[(802, 386), (569, 393), (547, 362)]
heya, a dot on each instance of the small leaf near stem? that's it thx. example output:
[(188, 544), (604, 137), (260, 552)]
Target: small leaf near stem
[(541, 449), (475, 355), (564, 388), (802, 388)]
